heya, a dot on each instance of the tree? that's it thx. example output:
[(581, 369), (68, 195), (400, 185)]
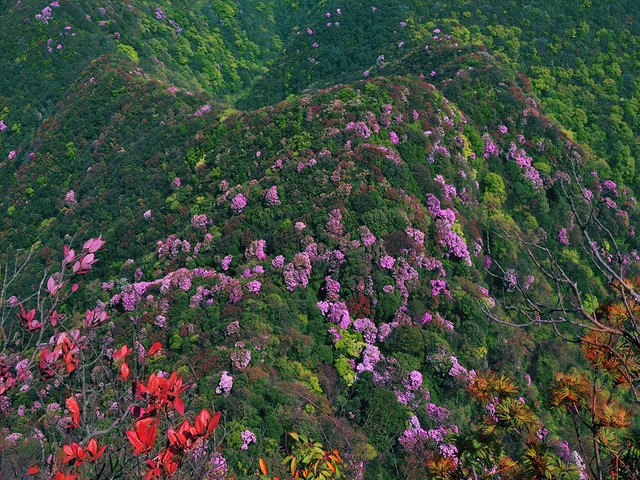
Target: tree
[(559, 288)]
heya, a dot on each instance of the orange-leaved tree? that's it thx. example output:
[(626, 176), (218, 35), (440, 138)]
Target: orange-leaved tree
[(308, 460)]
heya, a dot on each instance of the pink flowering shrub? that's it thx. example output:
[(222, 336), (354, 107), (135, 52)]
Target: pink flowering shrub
[(358, 127), (256, 249), (247, 438), (271, 197), (296, 273), (238, 203), (524, 162), (199, 222), (225, 385), (490, 148), (70, 199)]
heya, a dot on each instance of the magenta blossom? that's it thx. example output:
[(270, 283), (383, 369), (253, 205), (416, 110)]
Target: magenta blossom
[(93, 245)]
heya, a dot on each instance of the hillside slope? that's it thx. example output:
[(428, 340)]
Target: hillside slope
[(326, 260)]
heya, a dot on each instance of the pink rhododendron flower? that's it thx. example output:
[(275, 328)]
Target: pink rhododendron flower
[(247, 438), (238, 203)]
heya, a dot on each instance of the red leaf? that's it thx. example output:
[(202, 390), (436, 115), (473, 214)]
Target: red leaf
[(154, 348), (62, 476), (100, 452), (93, 244), (73, 407), (54, 317), (92, 448), (74, 287), (137, 444), (213, 424), (179, 406), (173, 439), (123, 352), (33, 470), (124, 372), (202, 421)]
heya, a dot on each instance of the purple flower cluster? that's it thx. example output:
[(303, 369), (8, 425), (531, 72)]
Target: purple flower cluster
[(449, 190), (445, 219), (610, 186), (332, 289), (438, 287), (334, 226), (459, 371), (414, 436), (199, 222), (335, 312), (271, 197), (70, 199), (256, 249), (254, 286), (278, 262), (368, 329), (524, 162), (240, 358), (358, 127), (238, 203), (439, 414), (226, 262), (370, 118), (217, 467), (490, 148), (367, 237), (296, 273), (371, 356), (511, 277), (247, 438), (47, 14), (387, 261), (413, 381), (610, 203), (225, 385), (562, 236), (172, 247), (233, 328), (202, 110), (310, 162)]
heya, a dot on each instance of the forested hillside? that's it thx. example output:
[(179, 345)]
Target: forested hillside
[(319, 240)]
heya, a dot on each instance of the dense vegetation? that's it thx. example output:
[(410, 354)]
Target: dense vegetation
[(323, 217)]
